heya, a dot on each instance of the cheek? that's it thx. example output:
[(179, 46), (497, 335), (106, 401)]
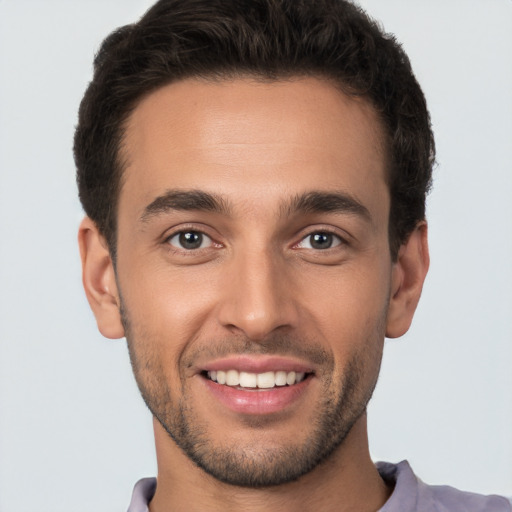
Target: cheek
[(349, 314), (168, 306), (350, 297)]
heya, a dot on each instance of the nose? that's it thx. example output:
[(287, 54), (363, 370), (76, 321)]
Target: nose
[(258, 296)]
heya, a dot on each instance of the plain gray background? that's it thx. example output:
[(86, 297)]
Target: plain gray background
[(74, 433)]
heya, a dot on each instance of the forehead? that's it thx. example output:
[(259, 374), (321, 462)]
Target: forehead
[(252, 139)]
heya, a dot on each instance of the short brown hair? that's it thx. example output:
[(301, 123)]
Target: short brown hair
[(269, 39)]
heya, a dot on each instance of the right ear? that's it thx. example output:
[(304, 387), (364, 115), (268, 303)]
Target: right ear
[(99, 280)]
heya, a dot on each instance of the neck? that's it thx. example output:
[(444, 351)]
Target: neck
[(348, 480)]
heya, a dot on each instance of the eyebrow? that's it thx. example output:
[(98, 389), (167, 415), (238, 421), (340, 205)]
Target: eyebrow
[(327, 202), (309, 202), (185, 200)]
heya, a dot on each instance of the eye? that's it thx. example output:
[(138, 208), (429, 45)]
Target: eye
[(190, 240), (319, 241)]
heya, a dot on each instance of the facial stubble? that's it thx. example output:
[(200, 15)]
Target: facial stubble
[(253, 464)]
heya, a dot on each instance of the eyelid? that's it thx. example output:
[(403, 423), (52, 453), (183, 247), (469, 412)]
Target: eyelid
[(342, 239), (336, 242), (177, 234), (189, 228)]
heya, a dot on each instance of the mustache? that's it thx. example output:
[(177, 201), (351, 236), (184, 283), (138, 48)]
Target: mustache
[(275, 344)]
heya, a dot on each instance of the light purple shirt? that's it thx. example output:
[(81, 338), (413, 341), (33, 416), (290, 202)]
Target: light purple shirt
[(410, 494)]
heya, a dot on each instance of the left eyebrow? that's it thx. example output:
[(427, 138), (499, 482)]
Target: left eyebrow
[(326, 202), (185, 200)]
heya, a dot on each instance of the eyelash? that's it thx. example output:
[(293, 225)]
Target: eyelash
[(336, 240), (184, 232)]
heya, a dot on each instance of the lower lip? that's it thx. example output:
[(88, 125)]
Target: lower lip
[(257, 401)]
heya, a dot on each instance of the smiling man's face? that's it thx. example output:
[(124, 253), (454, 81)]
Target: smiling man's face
[(253, 270)]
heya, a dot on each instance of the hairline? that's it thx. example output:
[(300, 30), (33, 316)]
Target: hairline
[(226, 76)]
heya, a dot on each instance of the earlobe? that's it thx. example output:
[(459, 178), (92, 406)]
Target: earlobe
[(408, 275), (99, 280)]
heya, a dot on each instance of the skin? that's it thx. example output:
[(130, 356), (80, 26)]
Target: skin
[(256, 286)]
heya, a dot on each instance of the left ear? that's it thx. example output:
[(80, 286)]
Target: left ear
[(408, 275)]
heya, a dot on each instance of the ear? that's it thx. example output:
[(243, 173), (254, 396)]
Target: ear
[(99, 280), (408, 275)]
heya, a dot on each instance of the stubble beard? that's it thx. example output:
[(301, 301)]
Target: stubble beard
[(254, 465)]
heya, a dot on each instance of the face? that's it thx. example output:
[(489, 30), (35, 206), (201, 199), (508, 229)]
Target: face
[(253, 270)]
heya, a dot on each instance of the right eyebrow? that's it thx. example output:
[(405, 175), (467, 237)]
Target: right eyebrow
[(184, 200)]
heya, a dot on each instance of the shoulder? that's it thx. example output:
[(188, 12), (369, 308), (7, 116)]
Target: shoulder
[(449, 499), (410, 493), (142, 493)]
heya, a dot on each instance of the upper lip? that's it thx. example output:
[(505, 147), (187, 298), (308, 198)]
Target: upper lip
[(258, 364)]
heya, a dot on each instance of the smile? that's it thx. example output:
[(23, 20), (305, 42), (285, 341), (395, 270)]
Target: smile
[(256, 384), (265, 380)]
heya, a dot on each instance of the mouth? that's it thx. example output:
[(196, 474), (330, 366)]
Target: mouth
[(253, 381), (258, 385)]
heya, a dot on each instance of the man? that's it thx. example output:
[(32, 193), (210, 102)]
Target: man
[(254, 177)]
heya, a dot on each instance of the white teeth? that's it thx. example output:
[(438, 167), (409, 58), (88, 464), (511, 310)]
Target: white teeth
[(280, 378), (221, 377), (264, 380), (232, 378), (248, 380)]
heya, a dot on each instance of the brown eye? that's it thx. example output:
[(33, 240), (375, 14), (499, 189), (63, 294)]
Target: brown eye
[(190, 240)]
